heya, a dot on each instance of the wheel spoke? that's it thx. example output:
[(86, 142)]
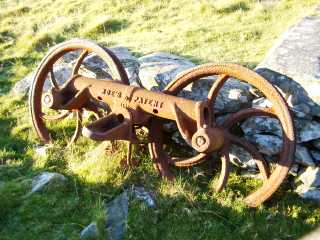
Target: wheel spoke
[(77, 132), (217, 85), (225, 168), (245, 113), (79, 62), (256, 155), (188, 162), (53, 79)]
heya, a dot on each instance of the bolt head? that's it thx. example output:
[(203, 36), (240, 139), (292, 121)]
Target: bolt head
[(200, 140)]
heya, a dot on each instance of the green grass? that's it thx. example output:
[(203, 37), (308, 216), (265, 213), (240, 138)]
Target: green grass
[(203, 31)]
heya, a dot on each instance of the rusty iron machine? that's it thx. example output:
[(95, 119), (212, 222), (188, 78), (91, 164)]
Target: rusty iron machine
[(120, 109)]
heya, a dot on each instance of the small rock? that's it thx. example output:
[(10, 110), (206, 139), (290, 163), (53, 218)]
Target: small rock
[(47, 179), (143, 195), (90, 232), (308, 192), (257, 125), (311, 177), (302, 156), (117, 213), (267, 144), (22, 87), (241, 158), (42, 150), (316, 155)]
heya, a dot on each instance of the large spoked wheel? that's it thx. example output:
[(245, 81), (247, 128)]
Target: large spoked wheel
[(46, 121), (272, 178)]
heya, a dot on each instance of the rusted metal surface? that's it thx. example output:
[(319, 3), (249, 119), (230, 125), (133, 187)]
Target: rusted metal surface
[(120, 108)]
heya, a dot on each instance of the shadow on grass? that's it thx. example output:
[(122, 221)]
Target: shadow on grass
[(7, 71), (187, 208)]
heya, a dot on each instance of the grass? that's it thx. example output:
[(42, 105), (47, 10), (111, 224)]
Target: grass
[(203, 31)]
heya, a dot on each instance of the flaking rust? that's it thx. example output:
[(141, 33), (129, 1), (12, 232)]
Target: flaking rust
[(120, 109)]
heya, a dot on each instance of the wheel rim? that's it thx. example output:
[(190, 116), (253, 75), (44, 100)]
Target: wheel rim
[(279, 110), (46, 68)]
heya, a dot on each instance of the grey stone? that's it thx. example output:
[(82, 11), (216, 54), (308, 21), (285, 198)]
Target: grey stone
[(21, 87), (220, 119), (272, 145), (47, 180), (131, 64), (308, 192), (241, 158), (306, 130), (233, 96), (42, 150), (142, 194), (266, 144), (311, 177), (296, 55), (158, 69), (117, 213), (61, 73), (90, 232), (302, 156), (257, 125), (316, 155)]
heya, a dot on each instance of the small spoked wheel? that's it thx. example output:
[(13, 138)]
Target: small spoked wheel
[(64, 125), (272, 177)]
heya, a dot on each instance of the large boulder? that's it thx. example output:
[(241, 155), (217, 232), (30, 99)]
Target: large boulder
[(292, 64), (158, 69)]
